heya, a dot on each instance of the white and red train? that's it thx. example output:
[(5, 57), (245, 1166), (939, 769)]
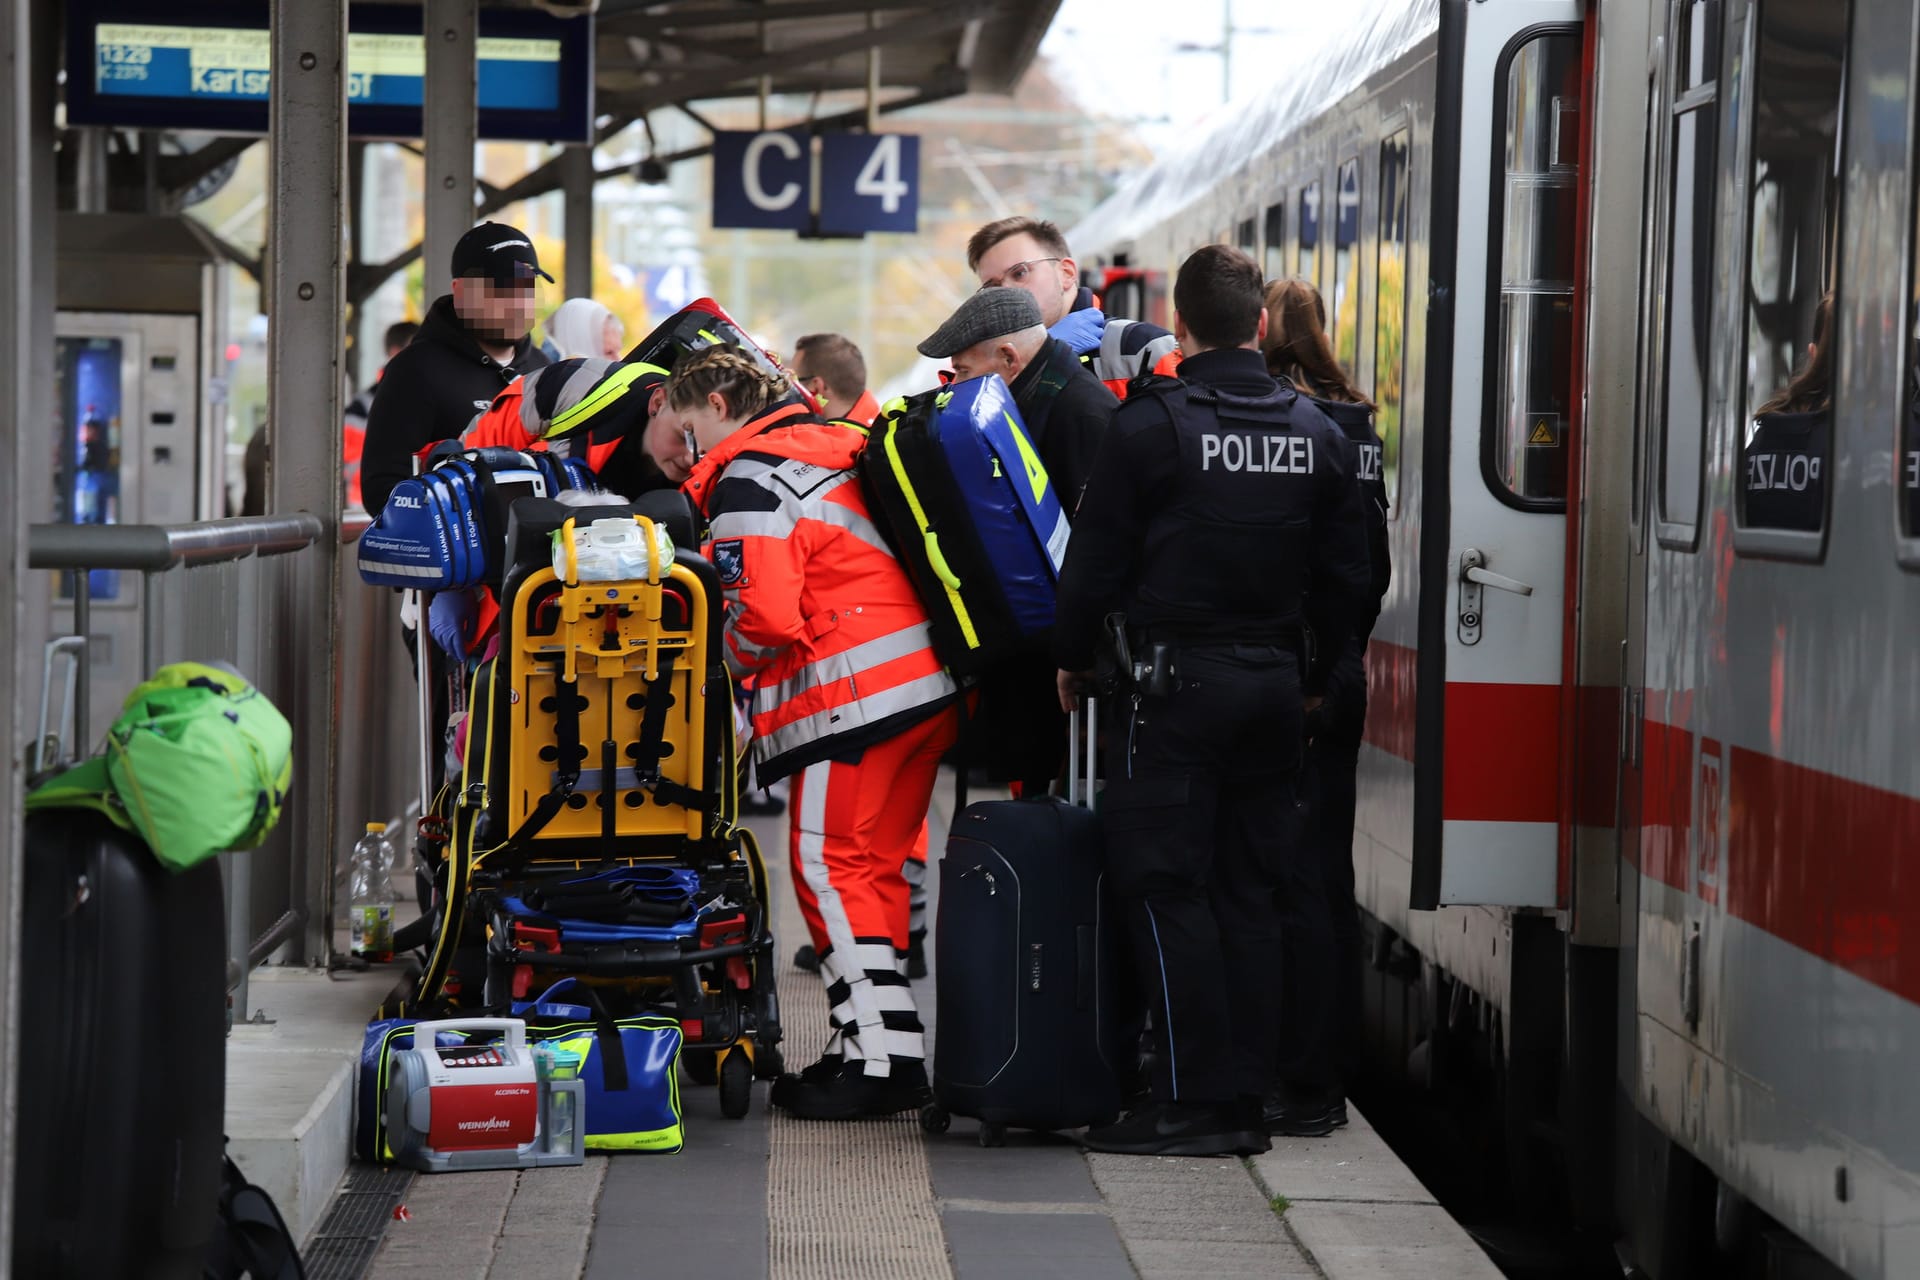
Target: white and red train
[(1639, 834)]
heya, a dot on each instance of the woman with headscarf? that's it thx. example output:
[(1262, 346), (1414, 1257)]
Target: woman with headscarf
[(583, 327)]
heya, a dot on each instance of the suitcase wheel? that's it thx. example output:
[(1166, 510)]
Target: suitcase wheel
[(992, 1134), (736, 1084), (934, 1119)]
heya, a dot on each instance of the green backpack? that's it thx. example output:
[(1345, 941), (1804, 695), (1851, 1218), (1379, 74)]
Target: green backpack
[(198, 763)]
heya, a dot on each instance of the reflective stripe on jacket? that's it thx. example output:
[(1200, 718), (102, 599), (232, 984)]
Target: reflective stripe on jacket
[(580, 408), (1131, 349), (818, 609)]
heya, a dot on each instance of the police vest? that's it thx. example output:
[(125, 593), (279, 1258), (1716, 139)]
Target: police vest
[(1226, 556), (1369, 462), (1783, 477)]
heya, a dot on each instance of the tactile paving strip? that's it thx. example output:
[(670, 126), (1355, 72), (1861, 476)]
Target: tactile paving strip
[(845, 1201), (344, 1243)]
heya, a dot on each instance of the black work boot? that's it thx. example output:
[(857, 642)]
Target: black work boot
[(847, 1092), (1311, 1118), (826, 1068), (1181, 1129)]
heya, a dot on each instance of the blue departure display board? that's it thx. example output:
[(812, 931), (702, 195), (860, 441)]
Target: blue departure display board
[(206, 66)]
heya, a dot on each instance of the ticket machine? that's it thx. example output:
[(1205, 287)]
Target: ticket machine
[(134, 438)]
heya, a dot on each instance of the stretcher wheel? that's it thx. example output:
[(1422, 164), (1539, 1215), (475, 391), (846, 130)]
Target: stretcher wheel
[(934, 1119), (702, 1065), (992, 1134), (736, 1084)]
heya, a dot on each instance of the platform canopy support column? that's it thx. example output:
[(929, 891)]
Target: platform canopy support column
[(449, 130), (307, 131), (579, 189), (27, 72)]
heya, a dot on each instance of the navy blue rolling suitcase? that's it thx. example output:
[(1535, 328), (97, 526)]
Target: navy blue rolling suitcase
[(1026, 969), (122, 1066)]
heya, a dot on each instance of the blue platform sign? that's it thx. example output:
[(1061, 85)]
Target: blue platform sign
[(762, 180), (869, 182)]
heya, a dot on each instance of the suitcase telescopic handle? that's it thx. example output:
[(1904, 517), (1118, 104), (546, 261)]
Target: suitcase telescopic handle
[(1083, 750)]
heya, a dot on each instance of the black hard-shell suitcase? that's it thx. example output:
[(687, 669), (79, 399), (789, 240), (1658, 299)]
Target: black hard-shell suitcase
[(122, 1058), (1026, 969)]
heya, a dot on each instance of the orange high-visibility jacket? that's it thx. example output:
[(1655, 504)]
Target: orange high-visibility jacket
[(818, 609), (584, 406)]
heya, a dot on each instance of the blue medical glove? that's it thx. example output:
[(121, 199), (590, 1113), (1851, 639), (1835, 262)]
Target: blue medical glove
[(449, 618), (1081, 330)]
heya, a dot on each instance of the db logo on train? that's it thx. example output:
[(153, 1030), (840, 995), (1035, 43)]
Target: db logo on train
[(1706, 874)]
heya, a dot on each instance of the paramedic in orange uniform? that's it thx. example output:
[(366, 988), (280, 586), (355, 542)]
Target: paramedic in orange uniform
[(849, 701), (830, 368)]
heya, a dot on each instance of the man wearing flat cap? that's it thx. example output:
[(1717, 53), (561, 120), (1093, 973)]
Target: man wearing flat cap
[(1019, 733), (472, 344), (1064, 406)]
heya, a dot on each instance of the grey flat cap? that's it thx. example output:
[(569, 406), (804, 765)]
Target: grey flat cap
[(989, 313)]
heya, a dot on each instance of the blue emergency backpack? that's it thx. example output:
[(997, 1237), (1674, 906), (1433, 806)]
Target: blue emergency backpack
[(958, 486), (446, 528)]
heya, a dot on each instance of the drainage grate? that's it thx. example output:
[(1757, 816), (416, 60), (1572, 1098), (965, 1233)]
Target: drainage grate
[(344, 1242)]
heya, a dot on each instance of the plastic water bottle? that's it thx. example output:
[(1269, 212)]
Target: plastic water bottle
[(371, 914)]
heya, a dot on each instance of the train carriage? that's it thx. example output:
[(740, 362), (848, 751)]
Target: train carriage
[(1636, 804)]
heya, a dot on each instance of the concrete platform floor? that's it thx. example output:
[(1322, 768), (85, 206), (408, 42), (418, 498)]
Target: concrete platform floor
[(782, 1199)]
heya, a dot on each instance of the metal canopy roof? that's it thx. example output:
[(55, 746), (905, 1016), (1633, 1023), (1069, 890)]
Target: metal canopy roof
[(656, 53)]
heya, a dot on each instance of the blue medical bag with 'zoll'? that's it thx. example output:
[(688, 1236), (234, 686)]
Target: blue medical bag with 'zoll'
[(446, 528), (953, 476)]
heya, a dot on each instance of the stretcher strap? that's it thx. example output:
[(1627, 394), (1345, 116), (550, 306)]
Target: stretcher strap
[(566, 723), (653, 736)]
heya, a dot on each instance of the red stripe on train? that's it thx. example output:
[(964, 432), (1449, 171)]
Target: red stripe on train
[(1816, 860), (1502, 740), (1826, 864), (1666, 801)]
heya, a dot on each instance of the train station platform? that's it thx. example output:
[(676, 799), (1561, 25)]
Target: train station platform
[(785, 1199)]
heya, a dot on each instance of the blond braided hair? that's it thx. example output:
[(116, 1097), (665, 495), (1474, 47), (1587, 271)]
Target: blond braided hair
[(747, 388)]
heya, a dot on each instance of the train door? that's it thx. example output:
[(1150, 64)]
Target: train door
[(1487, 792)]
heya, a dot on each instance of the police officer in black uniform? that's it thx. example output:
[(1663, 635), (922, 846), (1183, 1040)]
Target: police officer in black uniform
[(1221, 518)]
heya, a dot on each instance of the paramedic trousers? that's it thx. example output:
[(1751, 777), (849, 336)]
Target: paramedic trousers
[(854, 825), (1202, 824)]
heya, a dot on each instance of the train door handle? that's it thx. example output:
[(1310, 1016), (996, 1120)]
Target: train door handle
[(1474, 577)]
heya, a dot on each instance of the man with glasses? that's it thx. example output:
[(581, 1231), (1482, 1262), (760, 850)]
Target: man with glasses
[(471, 345), (1032, 254)]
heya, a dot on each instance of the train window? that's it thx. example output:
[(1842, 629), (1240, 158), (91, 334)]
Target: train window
[(1306, 263), (1346, 266), (1274, 263), (1530, 334), (1799, 80), (1390, 305), (1243, 237), (1689, 283)]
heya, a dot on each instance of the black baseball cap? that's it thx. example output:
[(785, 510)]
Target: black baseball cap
[(499, 252)]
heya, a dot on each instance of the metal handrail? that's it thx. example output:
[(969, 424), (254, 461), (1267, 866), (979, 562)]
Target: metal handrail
[(154, 548)]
